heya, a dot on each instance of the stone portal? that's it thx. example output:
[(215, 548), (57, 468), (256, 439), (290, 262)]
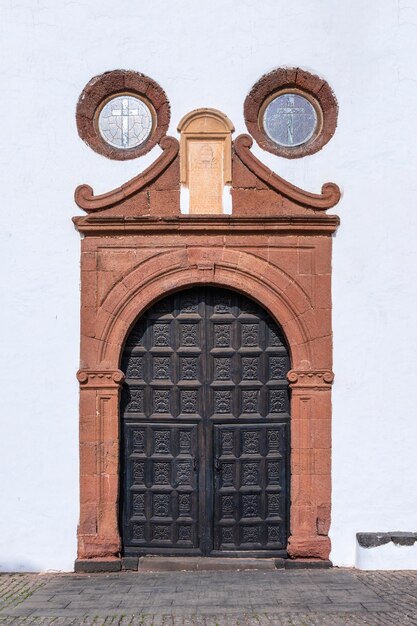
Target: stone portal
[(137, 248)]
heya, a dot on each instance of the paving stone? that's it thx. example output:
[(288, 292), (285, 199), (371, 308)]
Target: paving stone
[(191, 564), (261, 598), (53, 613), (377, 606), (307, 564)]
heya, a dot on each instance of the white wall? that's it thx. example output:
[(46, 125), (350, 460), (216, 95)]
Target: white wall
[(387, 556), (207, 53)]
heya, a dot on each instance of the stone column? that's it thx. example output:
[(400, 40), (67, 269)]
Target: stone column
[(310, 463), (98, 533)]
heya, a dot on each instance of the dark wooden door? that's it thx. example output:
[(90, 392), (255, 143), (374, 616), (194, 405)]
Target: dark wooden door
[(205, 424)]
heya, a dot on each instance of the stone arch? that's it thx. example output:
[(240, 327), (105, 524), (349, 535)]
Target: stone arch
[(205, 120), (310, 378), (177, 270)]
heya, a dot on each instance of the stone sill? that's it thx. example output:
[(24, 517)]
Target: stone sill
[(373, 540), (172, 564)]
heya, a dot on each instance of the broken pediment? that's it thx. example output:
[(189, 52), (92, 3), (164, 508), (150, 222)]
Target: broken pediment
[(206, 162), (257, 189)]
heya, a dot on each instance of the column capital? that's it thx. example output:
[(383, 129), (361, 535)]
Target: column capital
[(308, 379), (100, 379)]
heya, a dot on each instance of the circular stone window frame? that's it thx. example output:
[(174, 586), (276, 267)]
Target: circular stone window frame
[(103, 88), (291, 80)]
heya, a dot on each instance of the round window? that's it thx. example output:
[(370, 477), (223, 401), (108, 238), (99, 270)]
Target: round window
[(125, 121), (291, 112), (290, 119), (122, 114)]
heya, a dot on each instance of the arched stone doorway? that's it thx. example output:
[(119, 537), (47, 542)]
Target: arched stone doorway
[(137, 247), (205, 428)]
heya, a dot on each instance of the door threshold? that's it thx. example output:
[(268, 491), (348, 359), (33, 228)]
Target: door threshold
[(204, 563)]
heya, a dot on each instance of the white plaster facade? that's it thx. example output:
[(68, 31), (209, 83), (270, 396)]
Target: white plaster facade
[(207, 54)]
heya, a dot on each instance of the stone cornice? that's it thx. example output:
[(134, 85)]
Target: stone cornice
[(213, 224), (100, 379), (307, 379), (330, 192), (84, 194)]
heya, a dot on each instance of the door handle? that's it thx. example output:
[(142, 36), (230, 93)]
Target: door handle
[(217, 464), (195, 464)]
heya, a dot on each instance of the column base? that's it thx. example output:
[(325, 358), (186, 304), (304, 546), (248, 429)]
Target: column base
[(93, 566), (307, 564), (314, 547), (98, 547)]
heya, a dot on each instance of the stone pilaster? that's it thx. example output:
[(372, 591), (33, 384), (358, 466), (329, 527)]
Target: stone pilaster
[(98, 534), (310, 463)]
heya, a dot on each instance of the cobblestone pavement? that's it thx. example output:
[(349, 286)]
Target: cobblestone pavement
[(261, 598)]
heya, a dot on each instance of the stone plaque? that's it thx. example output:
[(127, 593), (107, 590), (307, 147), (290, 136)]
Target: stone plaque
[(206, 176), (290, 120), (205, 158)]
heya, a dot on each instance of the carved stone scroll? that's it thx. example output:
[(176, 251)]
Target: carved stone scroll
[(306, 379), (330, 192), (84, 194)]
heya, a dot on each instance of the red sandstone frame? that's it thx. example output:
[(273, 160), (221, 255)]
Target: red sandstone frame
[(276, 249), (110, 84), (296, 80)]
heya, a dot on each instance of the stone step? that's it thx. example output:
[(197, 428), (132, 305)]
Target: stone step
[(193, 564)]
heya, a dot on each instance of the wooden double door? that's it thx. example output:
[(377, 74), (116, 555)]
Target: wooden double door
[(205, 429)]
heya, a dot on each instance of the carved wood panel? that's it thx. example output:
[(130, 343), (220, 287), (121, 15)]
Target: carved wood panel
[(250, 506), (160, 505), (205, 414)]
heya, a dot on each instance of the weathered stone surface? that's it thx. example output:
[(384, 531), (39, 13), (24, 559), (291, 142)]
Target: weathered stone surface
[(130, 563), (89, 566), (194, 564), (403, 538), (307, 564), (113, 83), (206, 158), (304, 82), (373, 540)]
